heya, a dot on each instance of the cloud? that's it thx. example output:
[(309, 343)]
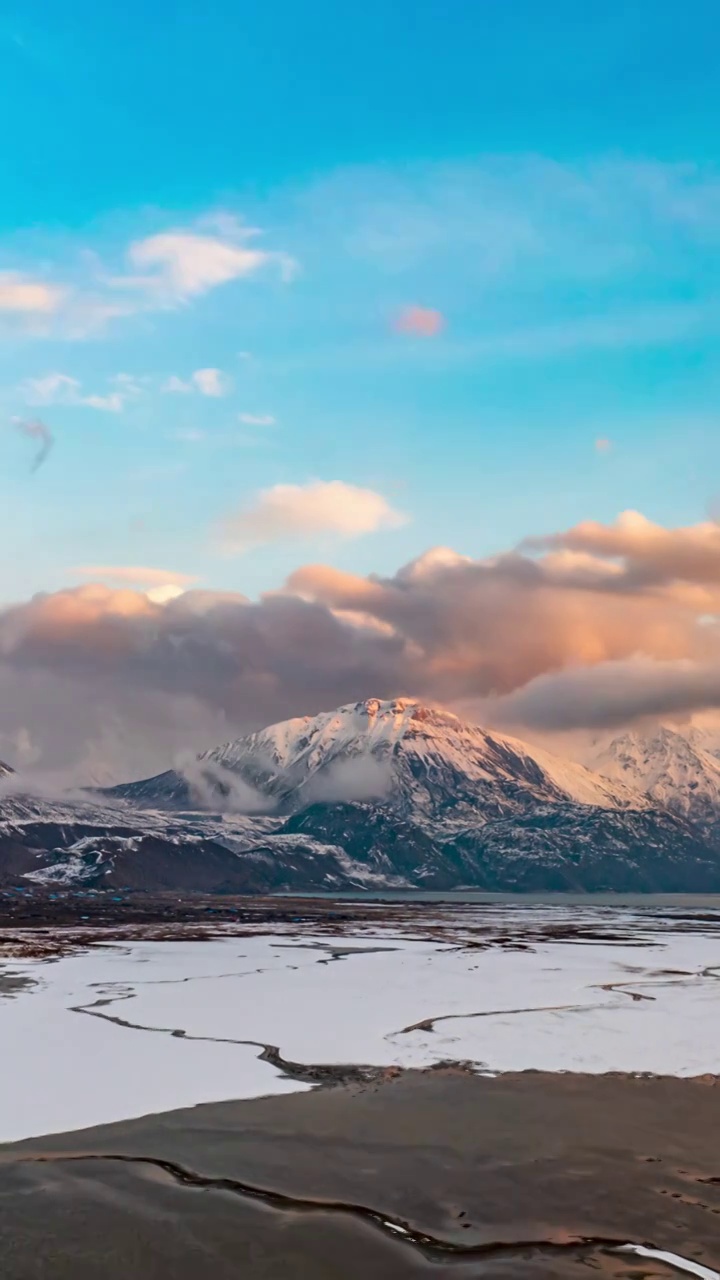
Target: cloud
[(209, 781), (60, 388), (211, 382), (189, 264), (421, 321), (103, 677), (182, 264), (51, 388), (486, 628), (208, 382), (346, 781), (650, 555), (310, 510), (20, 293), (113, 402), (257, 419), (168, 269), (34, 429), (591, 627), (137, 575), (611, 694), (176, 386), (516, 230), (598, 217), (162, 594)]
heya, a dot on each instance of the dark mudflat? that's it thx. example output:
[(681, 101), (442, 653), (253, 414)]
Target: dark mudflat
[(430, 1174)]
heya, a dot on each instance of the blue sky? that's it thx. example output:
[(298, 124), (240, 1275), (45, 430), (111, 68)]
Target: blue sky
[(218, 215)]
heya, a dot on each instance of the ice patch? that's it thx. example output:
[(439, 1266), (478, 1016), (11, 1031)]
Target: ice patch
[(172, 1015), (672, 1259)]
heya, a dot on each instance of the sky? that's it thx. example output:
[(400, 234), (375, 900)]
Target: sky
[(291, 291)]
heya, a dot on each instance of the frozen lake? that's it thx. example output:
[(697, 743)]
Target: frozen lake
[(131, 1027)]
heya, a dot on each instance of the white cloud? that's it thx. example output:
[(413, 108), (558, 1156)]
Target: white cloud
[(23, 294), (175, 386), (51, 388), (191, 264), (60, 388), (211, 382), (159, 272), (113, 402), (162, 595), (257, 419), (154, 273), (517, 227), (320, 507), (184, 263)]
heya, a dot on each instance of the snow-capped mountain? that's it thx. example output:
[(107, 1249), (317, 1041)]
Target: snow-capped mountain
[(423, 761), (376, 794), (673, 770)]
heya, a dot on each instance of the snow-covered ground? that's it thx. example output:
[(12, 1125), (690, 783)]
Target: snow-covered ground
[(649, 1002)]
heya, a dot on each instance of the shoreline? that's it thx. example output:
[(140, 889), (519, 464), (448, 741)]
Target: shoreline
[(40, 907), (45, 926)]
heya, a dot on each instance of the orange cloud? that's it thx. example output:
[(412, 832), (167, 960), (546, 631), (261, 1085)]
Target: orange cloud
[(651, 554), (23, 294), (424, 322), (593, 626)]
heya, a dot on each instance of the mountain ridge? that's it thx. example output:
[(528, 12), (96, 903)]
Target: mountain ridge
[(288, 762), (376, 794)]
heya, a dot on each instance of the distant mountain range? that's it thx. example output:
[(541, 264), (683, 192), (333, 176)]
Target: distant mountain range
[(381, 795)]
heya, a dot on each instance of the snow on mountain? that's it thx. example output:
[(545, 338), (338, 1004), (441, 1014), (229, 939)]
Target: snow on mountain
[(580, 783), (673, 769), (420, 759), (377, 793)]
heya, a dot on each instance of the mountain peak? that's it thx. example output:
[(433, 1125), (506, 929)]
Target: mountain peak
[(413, 757), (673, 770), (374, 726), (394, 792)]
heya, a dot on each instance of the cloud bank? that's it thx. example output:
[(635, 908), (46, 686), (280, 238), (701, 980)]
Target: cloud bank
[(591, 627)]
